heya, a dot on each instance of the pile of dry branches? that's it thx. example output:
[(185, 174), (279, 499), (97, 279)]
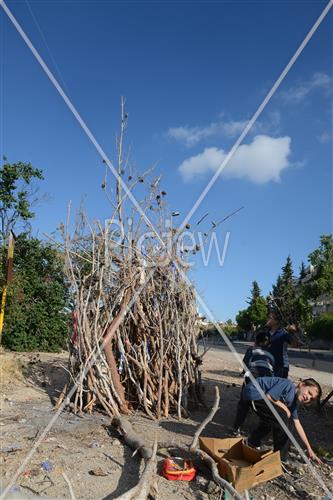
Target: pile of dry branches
[(135, 311), (136, 330)]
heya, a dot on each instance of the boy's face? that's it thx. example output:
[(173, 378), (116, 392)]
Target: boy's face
[(307, 394), (272, 321)]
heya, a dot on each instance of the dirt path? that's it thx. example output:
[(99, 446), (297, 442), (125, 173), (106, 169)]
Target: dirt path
[(81, 446)]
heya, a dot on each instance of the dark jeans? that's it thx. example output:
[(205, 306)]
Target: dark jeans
[(281, 371), (243, 408), (269, 423)]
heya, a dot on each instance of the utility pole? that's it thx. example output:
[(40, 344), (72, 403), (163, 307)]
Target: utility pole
[(9, 279)]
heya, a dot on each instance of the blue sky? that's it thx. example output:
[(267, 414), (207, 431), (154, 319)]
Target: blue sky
[(192, 74)]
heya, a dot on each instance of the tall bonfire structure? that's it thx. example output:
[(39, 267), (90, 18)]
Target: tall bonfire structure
[(135, 315)]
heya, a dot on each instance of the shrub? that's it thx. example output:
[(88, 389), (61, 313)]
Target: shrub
[(36, 316), (322, 327)]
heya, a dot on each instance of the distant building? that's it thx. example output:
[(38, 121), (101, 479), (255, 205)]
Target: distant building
[(322, 305)]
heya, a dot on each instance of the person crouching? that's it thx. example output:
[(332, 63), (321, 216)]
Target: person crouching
[(285, 396)]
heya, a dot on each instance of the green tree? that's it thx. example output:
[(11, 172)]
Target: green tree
[(255, 293), (288, 298), (16, 195), (284, 293), (302, 272), (277, 288), (37, 302), (322, 327), (322, 261), (258, 312), (243, 320), (35, 313), (287, 275)]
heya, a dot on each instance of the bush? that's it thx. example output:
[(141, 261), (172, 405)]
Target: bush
[(322, 328), (36, 315)]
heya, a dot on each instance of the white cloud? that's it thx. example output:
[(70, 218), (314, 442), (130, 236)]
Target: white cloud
[(261, 161), (319, 81), (191, 136), (325, 137)]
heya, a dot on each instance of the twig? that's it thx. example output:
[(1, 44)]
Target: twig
[(71, 491), (131, 438), (142, 489), (193, 448), (208, 419)]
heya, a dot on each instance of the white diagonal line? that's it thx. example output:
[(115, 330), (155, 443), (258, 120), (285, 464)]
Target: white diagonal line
[(77, 116), (103, 155), (258, 112), (46, 44)]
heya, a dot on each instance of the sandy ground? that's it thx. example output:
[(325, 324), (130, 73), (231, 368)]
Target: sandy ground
[(84, 447), (317, 364)]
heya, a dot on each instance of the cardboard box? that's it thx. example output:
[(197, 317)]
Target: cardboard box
[(241, 465)]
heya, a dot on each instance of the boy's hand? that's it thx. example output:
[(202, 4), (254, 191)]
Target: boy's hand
[(288, 412), (314, 457)]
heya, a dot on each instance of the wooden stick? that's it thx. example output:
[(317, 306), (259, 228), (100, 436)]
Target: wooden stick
[(202, 455), (206, 421), (205, 457), (142, 489), (71, 491), (61, 396), (131, 438)]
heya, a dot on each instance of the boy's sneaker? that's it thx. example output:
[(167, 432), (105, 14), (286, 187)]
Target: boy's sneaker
[(248, 443), (236, 432)]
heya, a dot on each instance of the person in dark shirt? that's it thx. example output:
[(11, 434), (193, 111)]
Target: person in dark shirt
[(280, 339), (260, 363), (286, 397)]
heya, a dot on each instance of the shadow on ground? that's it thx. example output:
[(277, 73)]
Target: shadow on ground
[(130, 474), (50, 376), (222, 424)]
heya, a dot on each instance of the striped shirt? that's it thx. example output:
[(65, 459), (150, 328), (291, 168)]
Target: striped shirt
[(259, 362)]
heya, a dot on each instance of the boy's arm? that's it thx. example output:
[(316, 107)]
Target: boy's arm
[(280, 404), (247, 357), (302, 435)]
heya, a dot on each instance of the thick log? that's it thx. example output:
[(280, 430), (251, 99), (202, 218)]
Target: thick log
[(107, 343), (131, 438), (142, 489)]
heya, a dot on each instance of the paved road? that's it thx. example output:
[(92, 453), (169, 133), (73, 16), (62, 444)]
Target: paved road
[(316, 364)]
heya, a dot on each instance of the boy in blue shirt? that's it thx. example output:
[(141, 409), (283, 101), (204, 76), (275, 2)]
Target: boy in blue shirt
[(285, 396), (260, 363), (280, 339)]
